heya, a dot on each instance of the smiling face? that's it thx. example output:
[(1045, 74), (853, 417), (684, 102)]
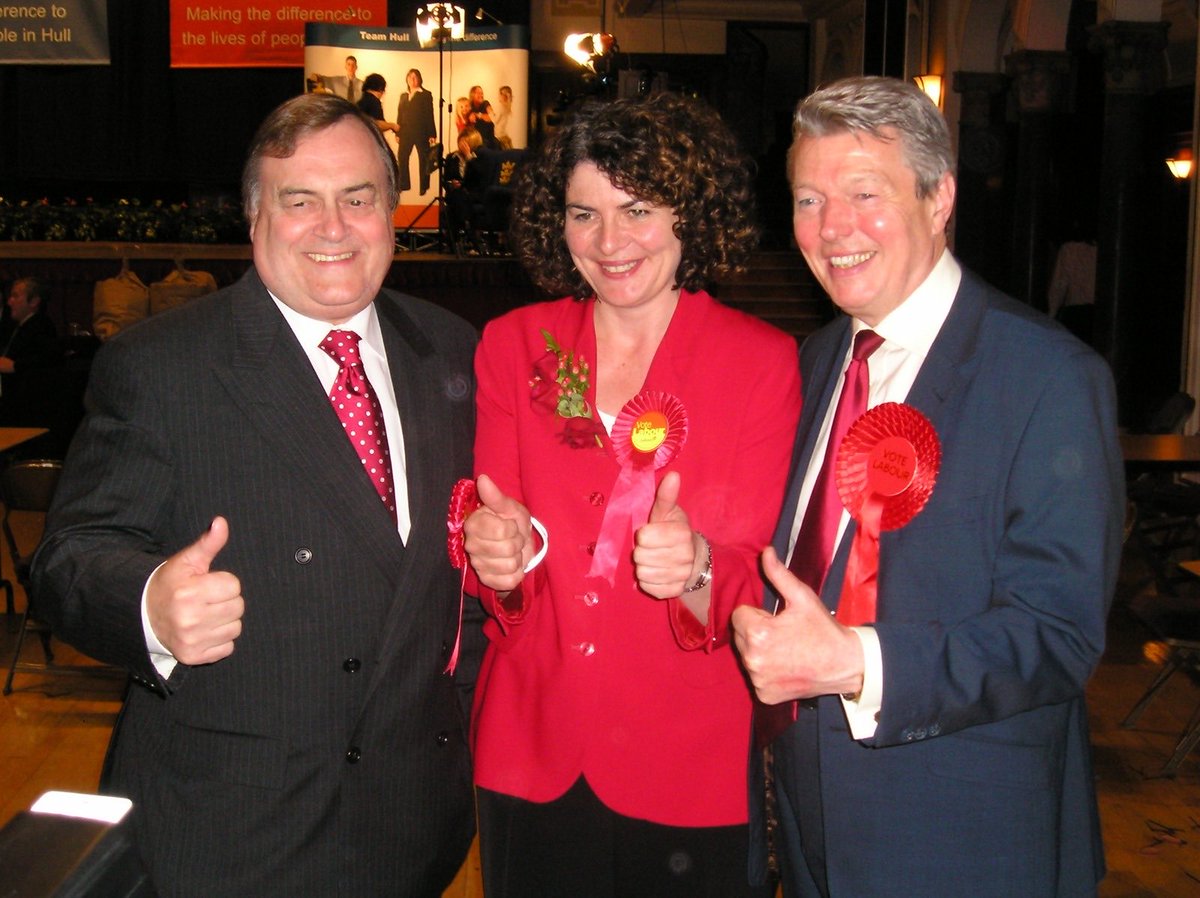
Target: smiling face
[(625, 248), (866, 235), (322, 236)]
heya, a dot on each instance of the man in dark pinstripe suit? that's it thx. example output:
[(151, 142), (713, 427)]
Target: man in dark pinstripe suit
[(290, 729)]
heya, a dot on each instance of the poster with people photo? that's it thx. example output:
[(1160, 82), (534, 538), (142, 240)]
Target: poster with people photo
[(425, 98)]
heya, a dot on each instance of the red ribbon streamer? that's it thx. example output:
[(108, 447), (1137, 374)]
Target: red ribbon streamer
[(648, 433), (463, 500)]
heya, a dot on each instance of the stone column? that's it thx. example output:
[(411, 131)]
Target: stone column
[(1041, 84), (1134, 69), (983, 208)]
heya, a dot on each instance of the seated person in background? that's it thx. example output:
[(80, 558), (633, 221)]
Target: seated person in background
[(371, 103), (465, 181), (28, 343)]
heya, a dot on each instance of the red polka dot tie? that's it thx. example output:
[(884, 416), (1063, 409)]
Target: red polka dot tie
[(358, 409)]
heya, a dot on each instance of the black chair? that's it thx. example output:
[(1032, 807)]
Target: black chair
[(26, 487), (1177, 625)]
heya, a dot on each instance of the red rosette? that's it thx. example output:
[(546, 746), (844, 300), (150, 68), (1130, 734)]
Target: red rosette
[(648, 433), (652, 427), (891, 453), (463, 501), (886, 467)]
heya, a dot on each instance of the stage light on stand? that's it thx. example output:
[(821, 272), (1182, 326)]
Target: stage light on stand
[(481, 14), (439, 22), (586, 49)]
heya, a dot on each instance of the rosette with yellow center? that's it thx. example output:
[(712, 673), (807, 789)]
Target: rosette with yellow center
[(648, 433)]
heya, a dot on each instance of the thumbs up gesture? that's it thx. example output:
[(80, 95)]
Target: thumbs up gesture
[(498, 537), (196, 612), (667, 554), (800, 652)]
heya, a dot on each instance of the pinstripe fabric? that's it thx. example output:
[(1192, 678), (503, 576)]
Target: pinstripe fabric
[(327, 755)]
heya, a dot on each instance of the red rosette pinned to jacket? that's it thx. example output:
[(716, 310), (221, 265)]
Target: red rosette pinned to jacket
[(887, 465), (648, 433)]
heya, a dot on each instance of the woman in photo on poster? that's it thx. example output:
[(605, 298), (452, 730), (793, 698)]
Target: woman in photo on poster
[(417, 130)]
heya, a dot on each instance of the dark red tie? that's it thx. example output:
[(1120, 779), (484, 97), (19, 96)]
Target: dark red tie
[(358, 409), (818, 529)]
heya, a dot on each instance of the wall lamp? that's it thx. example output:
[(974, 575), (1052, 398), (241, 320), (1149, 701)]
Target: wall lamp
[(585, 49), (481, 14), (1181, 164), (932, 86), (439, 22)]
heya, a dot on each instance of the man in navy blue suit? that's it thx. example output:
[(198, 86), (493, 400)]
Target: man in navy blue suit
[(941, 748)]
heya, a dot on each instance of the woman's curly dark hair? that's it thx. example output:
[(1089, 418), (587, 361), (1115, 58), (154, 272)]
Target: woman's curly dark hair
[(664, 149)]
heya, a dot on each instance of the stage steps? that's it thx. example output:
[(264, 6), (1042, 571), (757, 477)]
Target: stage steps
[(779, 288)]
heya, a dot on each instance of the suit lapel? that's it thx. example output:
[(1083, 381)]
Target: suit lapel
[(947, 368), (417, 379), (820, 369), (271, 379)]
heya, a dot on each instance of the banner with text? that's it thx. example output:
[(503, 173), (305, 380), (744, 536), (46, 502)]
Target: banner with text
[(69, 32), (495, 60), (257, 33)]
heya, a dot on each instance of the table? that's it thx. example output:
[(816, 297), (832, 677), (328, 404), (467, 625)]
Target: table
[(15, 436)]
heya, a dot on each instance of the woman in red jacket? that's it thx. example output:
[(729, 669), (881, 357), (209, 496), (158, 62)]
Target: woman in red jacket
[(647, 430)]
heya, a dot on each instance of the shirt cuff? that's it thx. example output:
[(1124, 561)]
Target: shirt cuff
[(160, 656), (862, 710)]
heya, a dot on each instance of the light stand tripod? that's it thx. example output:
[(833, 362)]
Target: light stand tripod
[(438, 23)]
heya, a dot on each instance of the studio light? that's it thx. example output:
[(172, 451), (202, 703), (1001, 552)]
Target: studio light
[(585, 49), (439, 22)]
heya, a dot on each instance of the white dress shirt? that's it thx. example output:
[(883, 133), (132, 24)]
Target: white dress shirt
[(908, 332)]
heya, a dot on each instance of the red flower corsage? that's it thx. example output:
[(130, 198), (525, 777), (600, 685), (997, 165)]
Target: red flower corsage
[(559, 383)]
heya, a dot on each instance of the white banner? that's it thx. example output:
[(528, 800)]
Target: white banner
[(490, 58)]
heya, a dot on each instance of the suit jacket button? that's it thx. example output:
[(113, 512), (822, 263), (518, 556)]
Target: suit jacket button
[(596, 499), (303, 556), (353, 754), (351, 665), (443, 739), (445, 648)]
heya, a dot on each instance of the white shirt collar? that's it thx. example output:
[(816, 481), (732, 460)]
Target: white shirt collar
[(914, 324), (311, 331)]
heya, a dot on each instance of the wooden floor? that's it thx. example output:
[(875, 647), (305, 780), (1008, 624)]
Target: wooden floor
[(53, 734)]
